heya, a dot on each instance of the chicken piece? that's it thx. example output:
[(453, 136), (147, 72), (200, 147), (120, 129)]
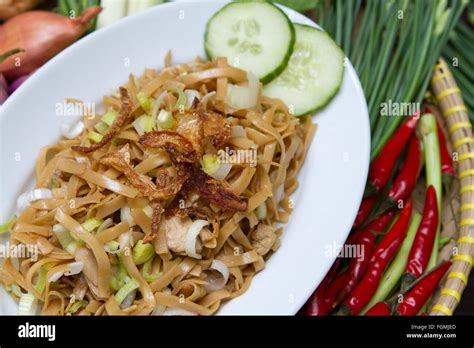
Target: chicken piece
[(263, 237), (176, 229), (90, 270), (80, 288)]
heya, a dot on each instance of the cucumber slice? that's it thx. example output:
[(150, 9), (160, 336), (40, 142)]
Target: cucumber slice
[(254, 36), (313, 75)]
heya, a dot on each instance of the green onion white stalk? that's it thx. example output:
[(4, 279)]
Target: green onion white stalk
[(112, 11), (429, 136)]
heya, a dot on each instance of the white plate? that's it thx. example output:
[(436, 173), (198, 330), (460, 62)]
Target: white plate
[(331, 182)]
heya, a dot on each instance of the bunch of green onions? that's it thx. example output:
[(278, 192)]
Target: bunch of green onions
[(394, 46), (459, 53)]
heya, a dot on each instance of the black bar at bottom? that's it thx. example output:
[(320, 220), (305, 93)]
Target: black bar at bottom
[(256, 329)]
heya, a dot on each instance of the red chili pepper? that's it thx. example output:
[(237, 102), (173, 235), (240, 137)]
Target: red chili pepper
[(317, 304), (382, 166), (364, 238), (405, 180), (421, 291), (332, 290), (365, 208), (379, 309), (358, 265), (377, 226), (364, 291), (422, 246), (380, 224), (400, 226), (447, 166), (381, 257)]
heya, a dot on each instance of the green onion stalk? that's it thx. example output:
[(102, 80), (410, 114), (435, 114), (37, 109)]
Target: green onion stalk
[(459, 53), (429, 136), (394, 49), (396, 269)]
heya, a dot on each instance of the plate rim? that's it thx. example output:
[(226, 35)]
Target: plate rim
[(349, 72)]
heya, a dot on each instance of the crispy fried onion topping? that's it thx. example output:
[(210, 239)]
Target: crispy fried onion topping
[(217, 192), (215, 127), (120, 160), (178, 147), (190, 126), (155, 222), (124, 113)]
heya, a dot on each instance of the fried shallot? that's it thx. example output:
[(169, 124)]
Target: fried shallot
[(123, 115)]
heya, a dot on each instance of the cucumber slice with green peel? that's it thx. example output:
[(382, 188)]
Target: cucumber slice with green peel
[(254, 36), (313, 75)]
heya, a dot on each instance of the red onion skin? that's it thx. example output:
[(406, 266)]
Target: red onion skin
[(42, 35), (17, 83)]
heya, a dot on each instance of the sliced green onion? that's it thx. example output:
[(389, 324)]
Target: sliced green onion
[(91, 224), (142, 252), (71, 247), (6, 227), (94, 136), (117, 141), (112, 246), (63, 235), (41, 283), (210, 164), (191, 94), (16, 290), (55, 184), (101, 127), (27, 305), (164, 120), (262, 211), (145, 102), (143, 124), (109, 117), (146, 272), (118, 280), (76, 306), (181, 102), (65, 239), (125, 290)]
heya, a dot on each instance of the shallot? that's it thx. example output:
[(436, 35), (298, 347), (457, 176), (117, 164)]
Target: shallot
[(57, 32)]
